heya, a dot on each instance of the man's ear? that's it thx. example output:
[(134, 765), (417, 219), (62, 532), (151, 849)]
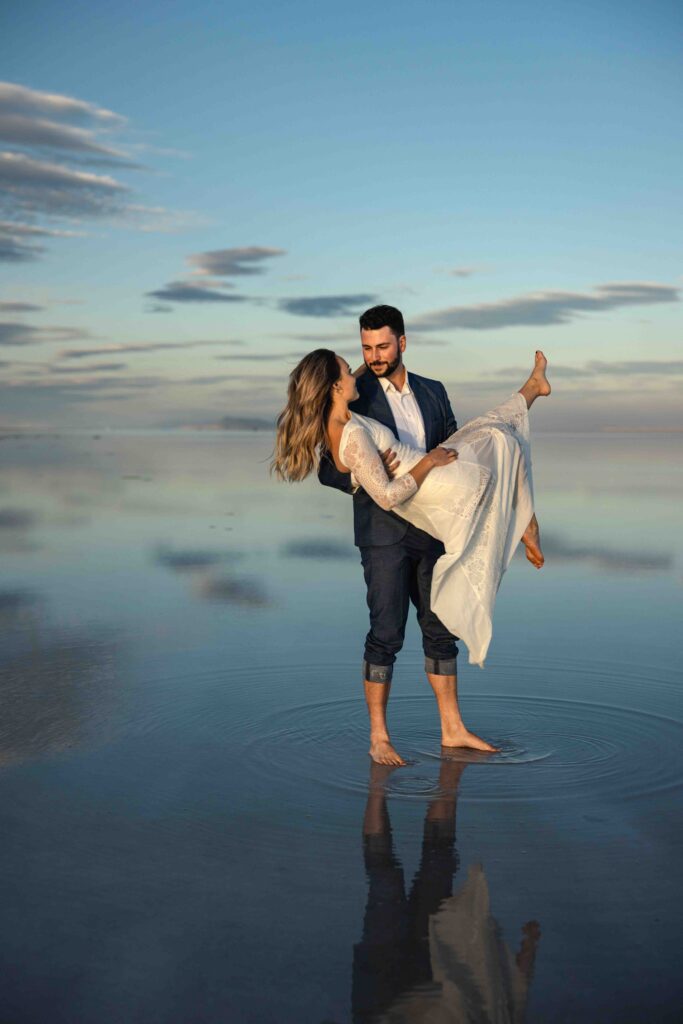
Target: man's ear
[(402, 343)]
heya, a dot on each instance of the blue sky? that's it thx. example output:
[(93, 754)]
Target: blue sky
[(236, 183)]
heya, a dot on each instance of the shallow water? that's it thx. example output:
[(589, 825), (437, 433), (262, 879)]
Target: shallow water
[(183, 767)]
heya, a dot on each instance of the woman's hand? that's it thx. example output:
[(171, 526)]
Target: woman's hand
[(442, 456)]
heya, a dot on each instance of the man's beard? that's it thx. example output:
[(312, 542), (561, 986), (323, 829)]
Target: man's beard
[(386, 370)]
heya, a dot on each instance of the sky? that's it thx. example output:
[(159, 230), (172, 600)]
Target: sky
[(194, 195)]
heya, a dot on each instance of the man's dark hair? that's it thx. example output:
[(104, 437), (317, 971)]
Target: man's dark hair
[(383, 316)]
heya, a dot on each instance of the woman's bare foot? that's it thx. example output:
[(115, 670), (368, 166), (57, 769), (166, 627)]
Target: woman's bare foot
[(538, 373), (383, 752), (537, 384), (532, 542), (464, 738)]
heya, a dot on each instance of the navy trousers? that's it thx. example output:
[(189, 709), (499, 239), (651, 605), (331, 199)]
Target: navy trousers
[(395, 575)]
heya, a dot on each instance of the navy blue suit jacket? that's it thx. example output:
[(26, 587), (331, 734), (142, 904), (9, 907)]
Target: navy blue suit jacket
[(371, 524)]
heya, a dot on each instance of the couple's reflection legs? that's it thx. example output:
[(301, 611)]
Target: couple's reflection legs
[(393, 955), (428, 951)]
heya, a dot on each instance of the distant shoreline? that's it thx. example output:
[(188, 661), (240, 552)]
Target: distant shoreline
[(263, 427), (104, 433)]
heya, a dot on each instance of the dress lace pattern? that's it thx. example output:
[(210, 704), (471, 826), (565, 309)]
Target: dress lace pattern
[(465, 504), (359, 453)]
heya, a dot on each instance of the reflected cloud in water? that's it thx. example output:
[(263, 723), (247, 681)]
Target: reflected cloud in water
[(17, 518), (14, 602), (614, 559), (318, 548), (14, 526), (191, 560), (244, 590), (237, 590)]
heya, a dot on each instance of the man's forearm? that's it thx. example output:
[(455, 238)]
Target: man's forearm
[(329, 475)]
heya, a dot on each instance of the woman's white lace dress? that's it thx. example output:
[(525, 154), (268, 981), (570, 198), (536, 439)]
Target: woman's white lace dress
[(479, 506)]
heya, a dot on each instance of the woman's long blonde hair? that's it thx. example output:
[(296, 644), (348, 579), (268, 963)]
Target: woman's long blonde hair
[(301, 424)]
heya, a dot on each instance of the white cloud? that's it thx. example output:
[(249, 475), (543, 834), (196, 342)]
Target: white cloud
[(14, 97), (545, 307)]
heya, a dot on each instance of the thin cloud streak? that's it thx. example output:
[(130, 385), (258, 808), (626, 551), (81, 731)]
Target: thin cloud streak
[(236, 262), (19, 98), (262, 357), (135, 348), (546, 307), (187, 291), (19, 307), (597, 368), (17, 333), (96, 368), (89, 384), (327, 305), (27, 131), (17, 245), (463, 271), (86, 379), (39, 186)]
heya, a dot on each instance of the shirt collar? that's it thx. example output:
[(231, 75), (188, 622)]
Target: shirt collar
[(389, 388)]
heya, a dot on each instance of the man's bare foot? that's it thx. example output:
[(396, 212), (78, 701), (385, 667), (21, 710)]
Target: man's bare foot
[(532, 542), (464, 738), (538, 374), (379, 774), (382, 752)]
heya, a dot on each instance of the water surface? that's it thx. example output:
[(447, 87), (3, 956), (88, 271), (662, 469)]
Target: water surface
[(191, 830)]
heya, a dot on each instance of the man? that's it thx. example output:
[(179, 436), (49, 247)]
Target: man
[(398, 558)]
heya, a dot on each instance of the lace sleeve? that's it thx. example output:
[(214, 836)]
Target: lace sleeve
[(362, 458)]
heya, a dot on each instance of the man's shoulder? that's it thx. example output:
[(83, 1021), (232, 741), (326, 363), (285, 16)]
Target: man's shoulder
[(434, 385)]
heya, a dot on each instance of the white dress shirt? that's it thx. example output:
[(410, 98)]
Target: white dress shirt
[(409, 422)]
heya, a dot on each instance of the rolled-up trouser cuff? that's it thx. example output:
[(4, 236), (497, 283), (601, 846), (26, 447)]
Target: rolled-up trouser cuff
[(377, 673), (440, 666)]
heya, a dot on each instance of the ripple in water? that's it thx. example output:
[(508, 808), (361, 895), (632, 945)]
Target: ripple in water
[(553, 748)]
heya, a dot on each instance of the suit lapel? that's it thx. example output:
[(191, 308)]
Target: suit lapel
[(424, 399), (373, 402)]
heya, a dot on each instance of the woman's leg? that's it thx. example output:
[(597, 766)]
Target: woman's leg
[(511, 417), (536, 386)]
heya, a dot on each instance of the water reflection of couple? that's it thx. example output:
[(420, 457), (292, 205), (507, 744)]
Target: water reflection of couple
[(438, 512), (432, 957)]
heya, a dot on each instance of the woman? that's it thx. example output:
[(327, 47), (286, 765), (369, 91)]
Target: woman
[(474, 492)]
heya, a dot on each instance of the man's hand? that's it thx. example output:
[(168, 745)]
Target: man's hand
[(443, 456), (391, 463)]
